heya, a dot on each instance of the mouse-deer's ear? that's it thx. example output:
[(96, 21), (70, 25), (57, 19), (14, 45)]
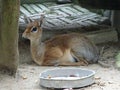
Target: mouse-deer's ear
[(41, 19), (27, 19)]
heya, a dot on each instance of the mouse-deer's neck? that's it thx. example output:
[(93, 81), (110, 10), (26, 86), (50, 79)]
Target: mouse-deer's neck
[(37, 51), (35, 43)]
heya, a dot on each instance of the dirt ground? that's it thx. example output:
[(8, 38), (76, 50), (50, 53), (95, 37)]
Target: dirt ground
[(27, 78)]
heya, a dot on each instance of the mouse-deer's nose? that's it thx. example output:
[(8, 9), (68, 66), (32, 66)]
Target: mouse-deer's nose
[(23, 35)]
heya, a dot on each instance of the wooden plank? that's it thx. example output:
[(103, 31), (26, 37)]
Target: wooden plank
[(60, 22), (52, 16), (90, 22), (83, 20), (56, 22), (30, 9), (61, 13), (69, 12), (74, 10), (68, 21), (82, 16), (51, 22), (47, 24), (49, 4), (80, 8), (44, 8), (36, 8), (85, 17), (24, 11), (59, 6), (99, 19), (63, 17), (84, 24), (35, 17)]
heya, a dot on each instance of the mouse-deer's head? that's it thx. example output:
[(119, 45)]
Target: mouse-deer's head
[(33, 30)]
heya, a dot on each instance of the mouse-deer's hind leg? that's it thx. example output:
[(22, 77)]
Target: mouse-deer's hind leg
[(69, 59), (77, 62), (79, 59)]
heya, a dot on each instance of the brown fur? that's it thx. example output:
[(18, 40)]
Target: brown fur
[(61, 49)]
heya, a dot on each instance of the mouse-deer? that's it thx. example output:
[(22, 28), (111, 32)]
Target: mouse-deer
[(67, 50)]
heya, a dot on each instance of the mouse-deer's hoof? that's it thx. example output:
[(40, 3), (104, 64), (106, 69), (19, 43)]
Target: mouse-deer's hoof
[(84, 63)]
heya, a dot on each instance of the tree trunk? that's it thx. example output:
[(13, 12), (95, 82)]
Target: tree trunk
[(9, 15)]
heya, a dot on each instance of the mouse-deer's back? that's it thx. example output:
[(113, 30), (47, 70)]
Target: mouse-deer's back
[(79, 45)]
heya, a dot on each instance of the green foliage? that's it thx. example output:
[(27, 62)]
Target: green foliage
[(118, 60), (35, 1)]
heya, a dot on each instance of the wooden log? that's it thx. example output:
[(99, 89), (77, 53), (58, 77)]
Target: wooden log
[(9, 55), (103, 36)]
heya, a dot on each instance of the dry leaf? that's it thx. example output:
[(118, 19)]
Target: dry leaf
[(97, 78), (110, 82), (100, 83), (24, 77)]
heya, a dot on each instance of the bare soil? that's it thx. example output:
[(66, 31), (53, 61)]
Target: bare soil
[(27, 78)]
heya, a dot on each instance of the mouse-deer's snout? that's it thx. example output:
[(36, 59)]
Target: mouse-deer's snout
[(25, 34)]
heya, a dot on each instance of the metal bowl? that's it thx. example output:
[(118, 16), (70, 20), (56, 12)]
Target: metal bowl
[(66, 78)]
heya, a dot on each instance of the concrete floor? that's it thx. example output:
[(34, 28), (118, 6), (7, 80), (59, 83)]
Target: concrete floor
[(27, 78)]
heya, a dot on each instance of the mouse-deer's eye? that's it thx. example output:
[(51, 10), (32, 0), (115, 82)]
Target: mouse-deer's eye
[(34, 29)]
